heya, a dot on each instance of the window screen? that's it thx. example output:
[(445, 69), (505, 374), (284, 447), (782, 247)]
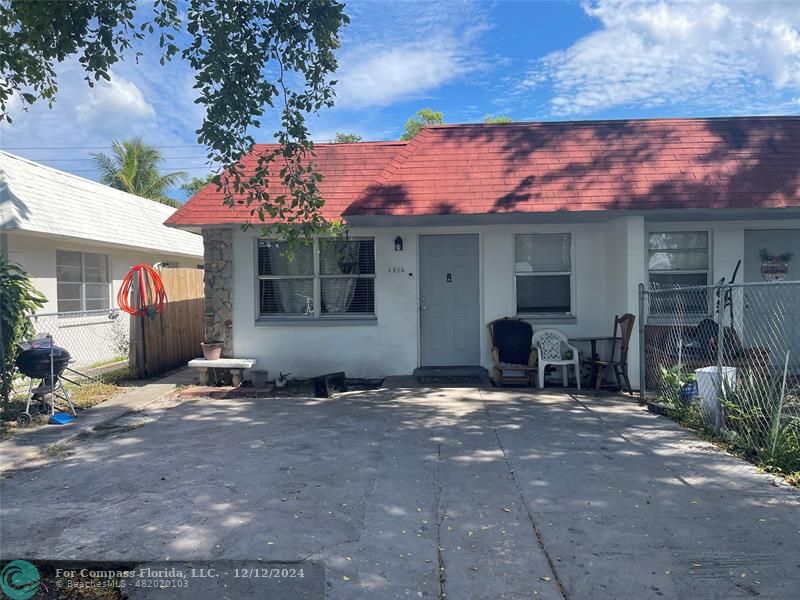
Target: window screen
[(543, 273)]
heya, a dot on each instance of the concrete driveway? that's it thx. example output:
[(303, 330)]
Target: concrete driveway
[(412, 493)]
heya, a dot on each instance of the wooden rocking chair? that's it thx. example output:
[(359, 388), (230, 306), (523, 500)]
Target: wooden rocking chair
[(623, 327)]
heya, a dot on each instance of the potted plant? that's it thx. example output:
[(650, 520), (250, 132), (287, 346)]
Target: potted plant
[(689, 388), (282, 380), (212, 350), (678, 386)]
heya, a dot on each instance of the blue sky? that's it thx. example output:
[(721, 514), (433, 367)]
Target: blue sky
[(528, 60)]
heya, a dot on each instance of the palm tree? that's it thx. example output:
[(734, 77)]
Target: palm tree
[(133, 168)]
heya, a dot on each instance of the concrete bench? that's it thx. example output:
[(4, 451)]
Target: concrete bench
[(235, 365)]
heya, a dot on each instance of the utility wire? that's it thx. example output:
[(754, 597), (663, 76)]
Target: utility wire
[(195, 168), (90, 158), (82, 147)]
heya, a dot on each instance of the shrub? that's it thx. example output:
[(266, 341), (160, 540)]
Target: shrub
[(18, 300), (756, 414)]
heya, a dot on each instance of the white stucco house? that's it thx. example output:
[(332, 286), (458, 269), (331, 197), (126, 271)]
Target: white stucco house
[(556, 223), (77, 239)]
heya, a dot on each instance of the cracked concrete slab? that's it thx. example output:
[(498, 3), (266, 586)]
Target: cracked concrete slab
[(419, 493)]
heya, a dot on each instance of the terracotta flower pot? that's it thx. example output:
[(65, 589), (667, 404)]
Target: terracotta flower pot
[(212, 350)]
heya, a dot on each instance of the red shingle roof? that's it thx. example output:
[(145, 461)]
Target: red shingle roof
[(347, 170), (748, 162)]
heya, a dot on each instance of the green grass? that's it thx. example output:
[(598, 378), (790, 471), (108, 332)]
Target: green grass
[(117, 376), (105, 363), (92, 394)]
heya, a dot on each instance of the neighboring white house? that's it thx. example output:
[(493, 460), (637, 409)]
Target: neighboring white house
[(556, 223), (77, 239)]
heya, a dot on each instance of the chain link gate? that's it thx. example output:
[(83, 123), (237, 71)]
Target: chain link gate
[(731, 353)]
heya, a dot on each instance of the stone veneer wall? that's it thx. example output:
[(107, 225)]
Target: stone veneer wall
[(218, 255)]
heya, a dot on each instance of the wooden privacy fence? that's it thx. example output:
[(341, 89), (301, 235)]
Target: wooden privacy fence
[(171, 339)]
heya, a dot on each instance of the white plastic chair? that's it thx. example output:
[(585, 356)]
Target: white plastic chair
[(549, 344)]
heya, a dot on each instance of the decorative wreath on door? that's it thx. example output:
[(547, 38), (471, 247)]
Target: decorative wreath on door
[(774, 267)]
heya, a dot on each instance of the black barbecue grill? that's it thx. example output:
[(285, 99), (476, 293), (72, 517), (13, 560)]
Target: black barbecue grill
[(35, 362), (45, 361)]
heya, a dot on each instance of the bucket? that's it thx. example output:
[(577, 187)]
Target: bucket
[(710, 387), (258, 377), (688, 392)]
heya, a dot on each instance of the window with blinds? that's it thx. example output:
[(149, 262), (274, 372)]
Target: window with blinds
[(325, 278), (82, 281), (347, 277), (286, 283), (543, 274), (678, 259)]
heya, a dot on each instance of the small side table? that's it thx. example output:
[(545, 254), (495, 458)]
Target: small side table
[(593, 343)]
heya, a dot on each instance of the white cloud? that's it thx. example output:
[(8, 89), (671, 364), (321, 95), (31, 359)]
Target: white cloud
[(111, 105), (141, 99), (394, 74), (648, 54), (402, 50)]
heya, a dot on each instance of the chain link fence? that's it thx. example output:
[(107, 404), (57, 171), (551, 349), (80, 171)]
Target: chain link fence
[(728, 356), (98, 341)]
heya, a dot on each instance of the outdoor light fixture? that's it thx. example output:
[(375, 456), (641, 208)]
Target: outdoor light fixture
[(398, 244)]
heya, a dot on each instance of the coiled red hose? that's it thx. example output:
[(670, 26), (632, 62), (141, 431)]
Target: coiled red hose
[(148, 298)]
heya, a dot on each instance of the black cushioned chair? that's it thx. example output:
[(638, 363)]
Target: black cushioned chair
[(510, 340)]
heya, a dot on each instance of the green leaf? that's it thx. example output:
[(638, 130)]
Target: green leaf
[(237, 50)]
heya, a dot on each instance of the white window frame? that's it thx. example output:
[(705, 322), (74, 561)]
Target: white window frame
[(572, 292), (707, 271), (316, 278), (83, 281)]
